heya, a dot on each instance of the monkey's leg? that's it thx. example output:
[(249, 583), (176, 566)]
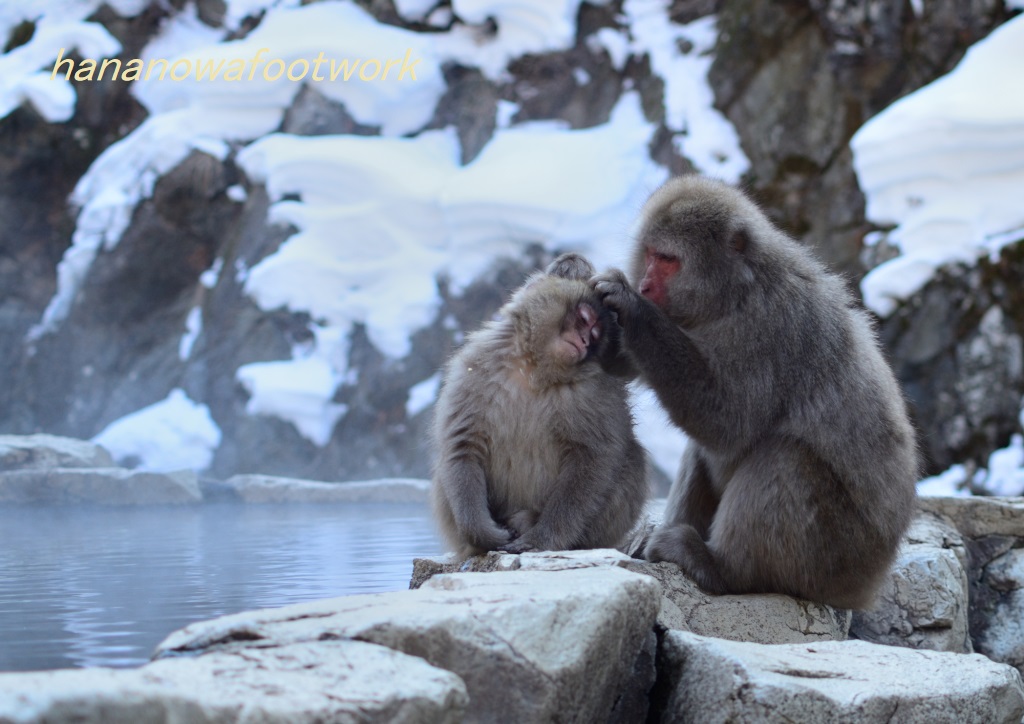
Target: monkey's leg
[(767, 536), (692, 499), (571, 505)]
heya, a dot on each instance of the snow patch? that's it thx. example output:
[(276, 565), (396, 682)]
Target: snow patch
[(173, 434), (1005, 474), (299, 390), (702, 134), (193, 328), (945, 165), (950, 483)]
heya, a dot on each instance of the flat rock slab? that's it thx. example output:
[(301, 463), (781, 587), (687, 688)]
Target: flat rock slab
[(712, 680), (531, 646), (767, 619), (273, 489), (101, 486), (336, 681), (979, 516), (36, 452)]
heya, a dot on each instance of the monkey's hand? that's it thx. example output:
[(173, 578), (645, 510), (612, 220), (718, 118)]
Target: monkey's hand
[(616, 293)]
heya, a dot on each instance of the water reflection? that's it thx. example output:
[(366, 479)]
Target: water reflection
[(103, 586)]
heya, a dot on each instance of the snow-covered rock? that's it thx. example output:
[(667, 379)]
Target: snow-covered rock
[(529, 645), (713, 680), (336, 681)]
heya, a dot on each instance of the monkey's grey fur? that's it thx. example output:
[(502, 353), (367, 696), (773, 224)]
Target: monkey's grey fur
[(799, 476), (536, 450)]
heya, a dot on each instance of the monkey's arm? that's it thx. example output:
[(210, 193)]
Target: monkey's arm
[(465, 488), (460, 471), (668, 360)]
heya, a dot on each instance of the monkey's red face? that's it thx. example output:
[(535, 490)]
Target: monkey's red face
[(659, 268)]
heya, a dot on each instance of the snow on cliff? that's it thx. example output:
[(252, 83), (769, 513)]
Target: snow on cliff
[(945, 165)]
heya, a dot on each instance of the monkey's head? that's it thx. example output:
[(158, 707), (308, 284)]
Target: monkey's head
[(696, 252), (559, 326)]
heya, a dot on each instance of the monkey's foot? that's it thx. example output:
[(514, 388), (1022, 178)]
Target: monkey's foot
[(518, 546)]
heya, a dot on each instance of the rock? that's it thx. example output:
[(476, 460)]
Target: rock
[(769, 619), (1001, 637), (529, 645), (711, 680), (271, 489), (21, 452), (924, 602), (337, 681), (977, 516), (103, 486), (761, 618), (957, 347), (993, 530)]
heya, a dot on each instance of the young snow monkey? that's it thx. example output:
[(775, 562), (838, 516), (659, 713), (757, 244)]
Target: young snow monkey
[(799, 473), (535, 441)]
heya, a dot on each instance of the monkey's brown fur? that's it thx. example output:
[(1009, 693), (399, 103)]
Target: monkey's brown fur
[(535, 442), (799, 473)]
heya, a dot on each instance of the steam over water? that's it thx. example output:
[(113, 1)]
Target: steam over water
[(103, 586)]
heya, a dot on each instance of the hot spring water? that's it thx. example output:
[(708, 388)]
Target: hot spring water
[(103, 586)]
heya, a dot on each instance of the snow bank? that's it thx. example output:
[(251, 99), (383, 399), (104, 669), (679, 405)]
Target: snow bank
[(945, 165), (173, 434), (381, 218)]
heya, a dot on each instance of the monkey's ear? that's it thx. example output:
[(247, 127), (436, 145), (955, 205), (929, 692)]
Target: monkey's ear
[(739, 241)]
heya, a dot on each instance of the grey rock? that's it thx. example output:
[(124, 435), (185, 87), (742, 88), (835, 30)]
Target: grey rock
[(957, 349), (102, 486), (770, 619), (993, 530), (712, 680), (271, 489), (336, 681), (529, 645), (20, 452), (977, 517), (924, 602)]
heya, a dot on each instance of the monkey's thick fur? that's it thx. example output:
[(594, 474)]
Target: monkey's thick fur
[(799, 476), (535, 442)]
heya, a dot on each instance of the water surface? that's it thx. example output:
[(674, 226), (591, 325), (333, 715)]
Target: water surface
[(103, 586)]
